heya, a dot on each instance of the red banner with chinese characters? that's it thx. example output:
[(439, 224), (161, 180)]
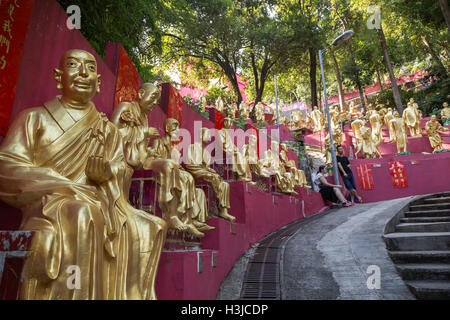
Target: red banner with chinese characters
[(255, 131), (14, 20), (365, 177), (127, 83), (218, 119), (398, 174), (175, 106)]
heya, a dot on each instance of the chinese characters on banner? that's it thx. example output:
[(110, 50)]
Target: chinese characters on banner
[(365, 176), (14, 19), (397, 171), (175, 106), (127, 84)]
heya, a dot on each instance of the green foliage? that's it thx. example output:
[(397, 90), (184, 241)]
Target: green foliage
[(213, 93), (196, 105)]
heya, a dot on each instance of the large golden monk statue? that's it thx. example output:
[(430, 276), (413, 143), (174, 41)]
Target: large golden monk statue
[(432, 128), (198, 164), (260, 112), (244, 110), (250, 152), (411, 116), (387, 120), (399, 127), (317, 120), (63, 164)]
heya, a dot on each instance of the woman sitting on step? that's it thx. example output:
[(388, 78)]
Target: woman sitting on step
[(330, 192)]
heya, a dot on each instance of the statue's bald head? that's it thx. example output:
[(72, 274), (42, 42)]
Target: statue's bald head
[(77, 76), (148, 96)]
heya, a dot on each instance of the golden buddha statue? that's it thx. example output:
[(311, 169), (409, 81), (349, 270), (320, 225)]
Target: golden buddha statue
[(250, 152), (132, 120), (198, 165), (297, 175), (387, 120), (356, 126), (220, 105), (63, 165), (445, 114), (432, 127), (244, 110), (317, 120), (399, 128), (240, 165), (411, 116), (190, 206), (271, 161), (366, 144), (260, 112), (376, 123)]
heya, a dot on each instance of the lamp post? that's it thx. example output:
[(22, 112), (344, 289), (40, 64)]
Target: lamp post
[(276, 101), (343, 37)]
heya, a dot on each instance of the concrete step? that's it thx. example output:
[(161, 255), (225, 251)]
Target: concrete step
[(417, 241), (424, 271), (423, 227), (425, 219), (428, 213), (437, 200), (430, 289), (429, 206), (420, 256)]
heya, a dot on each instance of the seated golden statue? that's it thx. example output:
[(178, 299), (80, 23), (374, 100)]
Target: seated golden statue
[(376, 123), (260, 112), (132, 120), (445, 114), (387, 120), (317, 120), (250, 152), (198, 165), (190, 206), (298, 175), (432, 128), (244, 110), (411, 116), (367, 145), (63, 165), (240, 165), (399, 127), (271, 161)]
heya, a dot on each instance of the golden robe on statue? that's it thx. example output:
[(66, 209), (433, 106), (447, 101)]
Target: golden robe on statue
[(77, 222)]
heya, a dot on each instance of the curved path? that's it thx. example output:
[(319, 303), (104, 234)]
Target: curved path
[(328, 257)]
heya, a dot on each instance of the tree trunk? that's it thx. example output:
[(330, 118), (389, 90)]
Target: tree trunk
[(339, 81), (312, 75), (387, 59), (358, 81), (445, 12), (379, 79)]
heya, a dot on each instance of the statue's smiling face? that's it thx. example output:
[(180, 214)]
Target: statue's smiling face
[(77, 75)]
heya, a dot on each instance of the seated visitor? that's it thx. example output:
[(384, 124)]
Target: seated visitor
[(330, 192)]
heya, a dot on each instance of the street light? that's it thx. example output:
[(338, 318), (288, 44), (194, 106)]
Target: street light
[(343, 37), (276, 101)]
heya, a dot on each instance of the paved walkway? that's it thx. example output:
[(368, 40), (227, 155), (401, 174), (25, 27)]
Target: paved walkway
[(328, 257)]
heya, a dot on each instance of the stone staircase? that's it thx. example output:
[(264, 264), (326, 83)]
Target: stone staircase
[(418, 243)]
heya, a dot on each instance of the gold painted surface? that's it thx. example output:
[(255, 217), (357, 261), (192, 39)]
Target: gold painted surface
[(297, 175), (399, 128), (432, 128), (63, 165), (411, 116), (317, 120), (244, 110)]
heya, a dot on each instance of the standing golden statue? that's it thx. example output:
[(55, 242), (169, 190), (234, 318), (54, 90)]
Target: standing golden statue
[(63, 165), (298, 175), (132, 120), (198, 164), (432, 127), (190, 206), (220, 105), (356, 126), (376, 123), (387, 120), (244, 110), (399, 127), (260, 112), (366, 144), (317, 120), (204, 103), (240, 165), (250, 152), (445, 114), (411, 116)]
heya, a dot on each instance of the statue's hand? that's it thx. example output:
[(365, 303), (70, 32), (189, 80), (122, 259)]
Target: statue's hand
[(98, 170), (127, 116), (152, 132)]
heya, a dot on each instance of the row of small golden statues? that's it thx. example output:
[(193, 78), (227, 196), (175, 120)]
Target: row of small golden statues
[(69, 169)]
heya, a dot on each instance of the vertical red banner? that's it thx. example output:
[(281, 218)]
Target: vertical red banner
[(127, 84), (218, 119), (398, 174), (14, 19), (365, 177), (175, 106)]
